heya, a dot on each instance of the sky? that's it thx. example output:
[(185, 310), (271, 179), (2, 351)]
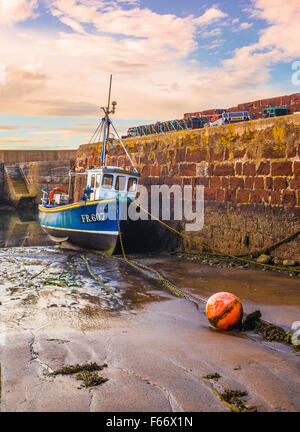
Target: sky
[(167, 58)]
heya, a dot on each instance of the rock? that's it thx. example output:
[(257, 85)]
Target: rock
[(288, 262), (263, 259), (277, 261)]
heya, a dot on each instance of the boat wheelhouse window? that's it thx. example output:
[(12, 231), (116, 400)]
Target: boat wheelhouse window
[(120, 183), (98, 180), (132, 183), (107, 181), (93, 181)]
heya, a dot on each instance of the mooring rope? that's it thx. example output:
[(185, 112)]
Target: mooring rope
[(104, 286)]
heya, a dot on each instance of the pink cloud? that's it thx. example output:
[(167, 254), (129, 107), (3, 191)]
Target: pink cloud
[(13, 11), (209, 16), (278, 42), (66, 73), (245, 25), (170, 30)]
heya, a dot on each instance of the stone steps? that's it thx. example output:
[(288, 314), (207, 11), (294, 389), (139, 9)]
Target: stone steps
[(17, 179)]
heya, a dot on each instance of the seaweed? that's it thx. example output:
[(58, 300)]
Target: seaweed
[(234, 398), (88, 367), (90, 379), (86, 373), (249, 322), (215, 376), (269, 332), (52, 282)]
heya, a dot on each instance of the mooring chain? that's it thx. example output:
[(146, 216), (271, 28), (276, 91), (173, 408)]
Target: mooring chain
[(100, 281)]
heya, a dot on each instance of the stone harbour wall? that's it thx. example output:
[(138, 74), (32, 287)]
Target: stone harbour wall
[(47, 175), (42, 169), (250, 173), (16, 156)]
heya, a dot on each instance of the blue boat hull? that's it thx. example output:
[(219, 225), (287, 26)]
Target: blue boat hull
[(92, 225)]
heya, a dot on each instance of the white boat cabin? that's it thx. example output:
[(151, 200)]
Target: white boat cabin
[(109, 182)]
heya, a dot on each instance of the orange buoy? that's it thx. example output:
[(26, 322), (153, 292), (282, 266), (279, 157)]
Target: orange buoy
[(223, 310)]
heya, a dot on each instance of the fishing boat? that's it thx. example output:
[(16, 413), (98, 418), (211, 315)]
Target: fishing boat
[(96, 220)]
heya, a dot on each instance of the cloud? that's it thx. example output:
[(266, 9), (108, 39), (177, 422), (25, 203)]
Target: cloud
[(284, 30), (14, 140), (63, 73), (217, 43), (278, 42), (245, 25), (10, 127), (211, 15), (4, 128), (156, 73), (83, 124), (13, 11), (86, 131), (21, 82), (64, 107), (150, 28), (211, 33), (73, 24)]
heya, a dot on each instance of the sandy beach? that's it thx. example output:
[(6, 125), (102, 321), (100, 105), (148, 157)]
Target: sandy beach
[(157, 348)]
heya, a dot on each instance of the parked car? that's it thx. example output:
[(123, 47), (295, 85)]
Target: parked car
[(274, 112)]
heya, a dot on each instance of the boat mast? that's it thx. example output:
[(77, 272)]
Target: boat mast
[(105, 125), (107, 122)]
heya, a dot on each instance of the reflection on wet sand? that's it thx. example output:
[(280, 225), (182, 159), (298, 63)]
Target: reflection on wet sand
[(18, 229)]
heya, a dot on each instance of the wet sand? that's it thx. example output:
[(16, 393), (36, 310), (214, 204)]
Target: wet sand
[(157, 347)]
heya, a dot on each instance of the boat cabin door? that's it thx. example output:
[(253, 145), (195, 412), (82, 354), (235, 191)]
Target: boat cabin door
[(94, 185)]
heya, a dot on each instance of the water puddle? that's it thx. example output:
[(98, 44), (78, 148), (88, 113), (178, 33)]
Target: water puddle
[(18, 229)]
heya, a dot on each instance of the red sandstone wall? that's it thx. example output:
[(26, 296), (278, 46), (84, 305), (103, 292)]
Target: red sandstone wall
[(251, 174), (255, 108)]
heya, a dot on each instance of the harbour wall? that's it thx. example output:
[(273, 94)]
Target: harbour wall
[(47, 175), (251, 177), (16, 156), (41, 169)]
